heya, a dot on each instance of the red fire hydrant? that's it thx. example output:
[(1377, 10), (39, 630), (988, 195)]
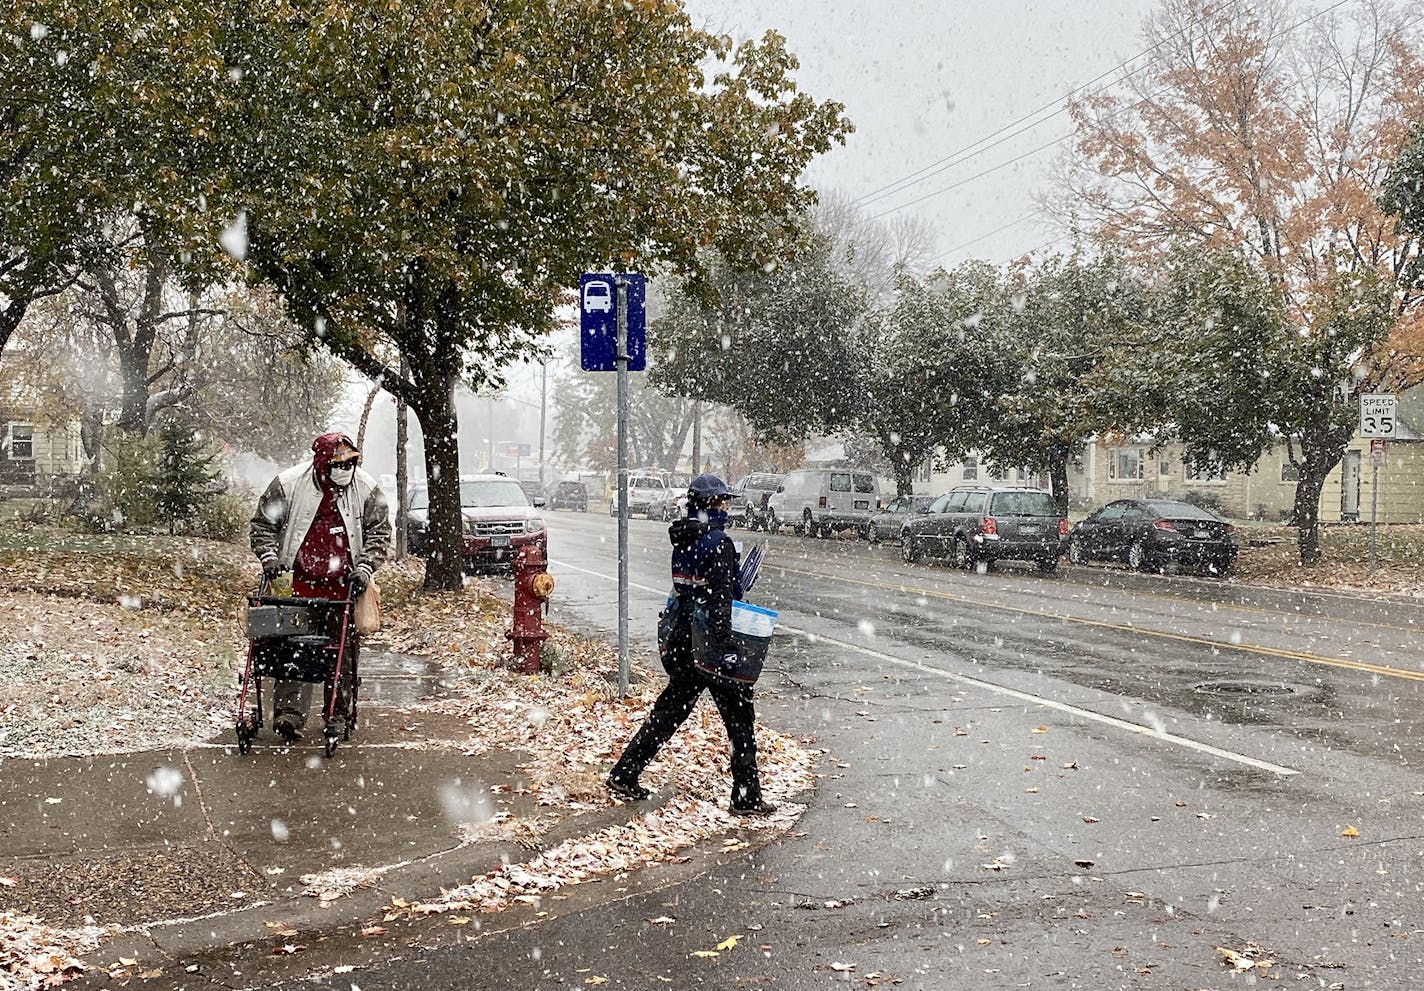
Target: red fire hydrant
[(532, 588)]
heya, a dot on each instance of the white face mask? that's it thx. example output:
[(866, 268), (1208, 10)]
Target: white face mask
[(341, 476)]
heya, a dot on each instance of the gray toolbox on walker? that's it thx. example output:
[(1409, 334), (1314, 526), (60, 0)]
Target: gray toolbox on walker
[(281, 620)]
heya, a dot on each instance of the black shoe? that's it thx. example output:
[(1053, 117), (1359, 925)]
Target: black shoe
[(629, 791), (288, 726), (759, 808)]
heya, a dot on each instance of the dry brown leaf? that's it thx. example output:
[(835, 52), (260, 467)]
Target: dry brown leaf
[(1349, 832)]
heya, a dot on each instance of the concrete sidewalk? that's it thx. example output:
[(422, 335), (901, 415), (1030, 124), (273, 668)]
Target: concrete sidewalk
[(176, 850)]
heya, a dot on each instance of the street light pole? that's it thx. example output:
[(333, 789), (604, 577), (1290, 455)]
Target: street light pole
[(543, 410)]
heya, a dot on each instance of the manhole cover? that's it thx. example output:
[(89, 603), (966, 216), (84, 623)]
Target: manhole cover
[(1252, 688)]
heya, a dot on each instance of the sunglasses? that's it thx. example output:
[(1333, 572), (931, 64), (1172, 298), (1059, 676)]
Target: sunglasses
[(347, 462)]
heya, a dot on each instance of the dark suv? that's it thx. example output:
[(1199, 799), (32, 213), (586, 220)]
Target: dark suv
[(569, 495), (988, 523), (749, 496)]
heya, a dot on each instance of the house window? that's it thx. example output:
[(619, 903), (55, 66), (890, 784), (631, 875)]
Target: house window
[(1164, 469), (971, 469), (1125, 464), (1205, 474), (22, 442), (1290, 472), (999, 474)]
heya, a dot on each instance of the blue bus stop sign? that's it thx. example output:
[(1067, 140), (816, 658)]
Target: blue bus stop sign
[(598, 321)]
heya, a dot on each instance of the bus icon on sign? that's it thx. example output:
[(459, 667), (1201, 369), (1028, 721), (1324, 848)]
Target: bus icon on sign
[(597, 297)]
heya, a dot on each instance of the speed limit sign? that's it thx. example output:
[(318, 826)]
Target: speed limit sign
[(1377, 415)]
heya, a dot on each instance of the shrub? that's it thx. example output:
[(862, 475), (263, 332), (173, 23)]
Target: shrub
[(126, 483), (224, 517), (184, 475), (1206, 500)]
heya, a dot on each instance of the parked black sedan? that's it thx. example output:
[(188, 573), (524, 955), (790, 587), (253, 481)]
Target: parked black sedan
[(1155, 534)]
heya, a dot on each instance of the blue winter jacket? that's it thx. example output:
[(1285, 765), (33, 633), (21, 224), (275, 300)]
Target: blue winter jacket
[(707, 567)]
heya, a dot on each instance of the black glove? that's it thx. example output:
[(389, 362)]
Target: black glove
[(271, 568), (360, 578)]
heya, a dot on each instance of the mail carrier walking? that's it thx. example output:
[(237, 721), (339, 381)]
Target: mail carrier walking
[(706, 580)]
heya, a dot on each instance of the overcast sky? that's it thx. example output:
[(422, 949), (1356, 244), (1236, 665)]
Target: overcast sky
[(923, 80)]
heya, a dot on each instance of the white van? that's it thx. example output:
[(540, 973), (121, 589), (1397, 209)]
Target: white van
[(821, 500)]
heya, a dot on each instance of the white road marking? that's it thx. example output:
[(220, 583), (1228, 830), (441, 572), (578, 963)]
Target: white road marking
[(988, 686)]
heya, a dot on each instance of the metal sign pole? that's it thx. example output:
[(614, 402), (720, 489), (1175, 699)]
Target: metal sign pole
[(621, 358), (1374, 509)]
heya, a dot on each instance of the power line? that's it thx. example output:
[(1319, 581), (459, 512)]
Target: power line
[(978, 175), (984, 237), (1050, 144), (1059, 140), (954, 158)]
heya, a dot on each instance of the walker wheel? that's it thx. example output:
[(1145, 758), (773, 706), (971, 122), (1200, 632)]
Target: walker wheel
[(244, 739), (331, 744)]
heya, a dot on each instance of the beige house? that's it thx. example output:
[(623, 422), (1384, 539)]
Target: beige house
[(1350, 491), (34, 449)]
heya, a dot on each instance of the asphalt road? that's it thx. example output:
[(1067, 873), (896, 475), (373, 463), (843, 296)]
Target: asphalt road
[(1084, 780)]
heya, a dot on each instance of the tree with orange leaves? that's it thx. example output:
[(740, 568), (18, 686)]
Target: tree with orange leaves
[(1262, 134)]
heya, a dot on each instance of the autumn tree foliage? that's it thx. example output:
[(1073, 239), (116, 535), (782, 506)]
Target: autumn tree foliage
[(1265, 131)]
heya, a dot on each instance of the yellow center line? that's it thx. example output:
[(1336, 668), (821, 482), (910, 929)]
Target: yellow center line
[(1293, 655)]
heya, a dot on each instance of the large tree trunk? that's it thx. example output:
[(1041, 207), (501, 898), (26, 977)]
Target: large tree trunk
[(10, 318), (1321, 450), (1058, 475), (402, 473), (904, 471), (134, 346), (434, 407)]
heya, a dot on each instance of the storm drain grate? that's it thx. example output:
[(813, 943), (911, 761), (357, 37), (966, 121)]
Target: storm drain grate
[(1256, 689)]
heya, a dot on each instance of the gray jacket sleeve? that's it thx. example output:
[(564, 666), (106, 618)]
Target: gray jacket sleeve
[(268, 521), (375, 530)]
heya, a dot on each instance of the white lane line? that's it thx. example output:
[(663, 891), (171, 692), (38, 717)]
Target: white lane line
[(1026, 697)]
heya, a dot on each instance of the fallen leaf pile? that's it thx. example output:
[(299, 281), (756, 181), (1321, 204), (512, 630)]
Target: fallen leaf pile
[(339, 881), (143, 572), (1250, 957), (34, 955), (650, 839), (84, 678)]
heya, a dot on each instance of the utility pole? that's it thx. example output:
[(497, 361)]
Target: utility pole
[(696, 437), (543, 411)]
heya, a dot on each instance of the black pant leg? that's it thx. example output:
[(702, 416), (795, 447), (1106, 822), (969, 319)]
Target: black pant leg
[(734, 702), (668, 713)]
